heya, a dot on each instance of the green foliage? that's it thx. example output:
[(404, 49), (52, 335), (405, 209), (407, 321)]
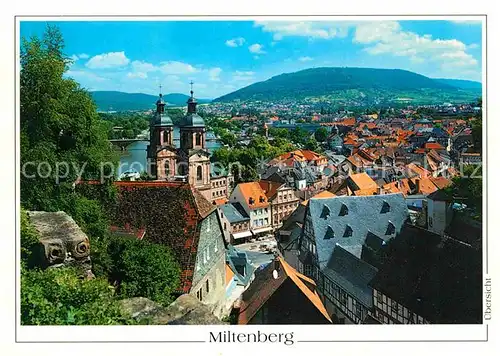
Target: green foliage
[(57, 296), (468, 189), (366, 84), (312, 145), (59, 126), (141, 268), (321, 134), (119, 101), (29, 240), (299, 136)]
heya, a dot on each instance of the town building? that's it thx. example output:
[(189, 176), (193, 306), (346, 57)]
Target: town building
[(255, 204), (281, 295), (235, 223), (428, 279), (339, 245), (176, 215), (191, 161), (282, 200)]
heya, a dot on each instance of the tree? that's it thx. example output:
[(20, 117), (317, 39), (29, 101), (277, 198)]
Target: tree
[(141, 268), (312, 145), (61, 132), (58, 296), (29, 241), (321, 134), (468, 189)]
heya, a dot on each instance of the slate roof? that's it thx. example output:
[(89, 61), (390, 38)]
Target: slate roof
[(352, 274), (234, 212), (437, 278), (364, 216)]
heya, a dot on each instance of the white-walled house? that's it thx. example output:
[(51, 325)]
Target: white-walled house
[(254, 201)]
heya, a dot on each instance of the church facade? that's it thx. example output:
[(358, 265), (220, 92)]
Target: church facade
[(191, 160)]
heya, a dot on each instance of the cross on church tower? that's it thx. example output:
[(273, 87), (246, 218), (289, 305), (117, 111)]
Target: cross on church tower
[(160, 90), (191, 83)]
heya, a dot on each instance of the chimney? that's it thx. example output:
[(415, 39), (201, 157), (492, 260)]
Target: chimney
[(417, 185)]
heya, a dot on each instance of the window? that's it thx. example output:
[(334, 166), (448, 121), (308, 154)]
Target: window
[(385, 208), (391, 229), (430, 222), (225, 227), (394, 307), (329, 233), (167, 168), (343, 298), (165, 137), (325, 213), (199, 173), (199, 294), (207, 286), (348, 231), (344, 210), (357, 308), (198, 139)]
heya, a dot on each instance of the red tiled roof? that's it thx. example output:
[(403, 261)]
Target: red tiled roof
[(264, 286), (171, 213)]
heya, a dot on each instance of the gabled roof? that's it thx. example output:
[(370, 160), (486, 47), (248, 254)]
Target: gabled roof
[(265, 285), (252, 190), (364, 215), (170, 212), (363, 181), (352, 274), (270, 188), (234, 212), (437, 278)]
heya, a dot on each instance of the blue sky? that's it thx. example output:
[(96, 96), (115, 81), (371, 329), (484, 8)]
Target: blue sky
[(222, 56)]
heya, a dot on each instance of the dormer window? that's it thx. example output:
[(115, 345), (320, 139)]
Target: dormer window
[(391, 229), (251, 201), (348, 231), (385, 208), (330, 234), (344, 210), (262, 199), (325, 213)]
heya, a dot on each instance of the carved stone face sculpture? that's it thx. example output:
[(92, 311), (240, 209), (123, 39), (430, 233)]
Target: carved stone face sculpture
[(63, 242)]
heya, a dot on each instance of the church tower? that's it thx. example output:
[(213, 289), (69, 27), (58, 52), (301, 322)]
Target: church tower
[(194, 157), (161, 150)]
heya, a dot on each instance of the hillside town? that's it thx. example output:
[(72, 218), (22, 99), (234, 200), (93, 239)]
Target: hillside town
[(365, 231), (255, 212)]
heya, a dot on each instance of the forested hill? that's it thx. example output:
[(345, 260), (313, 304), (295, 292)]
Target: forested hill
[(120, 101), (342, 82)]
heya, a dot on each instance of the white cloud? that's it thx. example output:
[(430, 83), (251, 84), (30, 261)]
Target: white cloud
[(174, 67), (85, 75), (108, 60), (140, 75), (256, 48), (235, 42), (305, 59), (76, 57), (145, 67), (316, 29), (243, 76), (214, 74), (388, 38), (473, 46)]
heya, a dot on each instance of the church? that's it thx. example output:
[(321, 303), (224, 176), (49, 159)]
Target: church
[(191, 161)]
